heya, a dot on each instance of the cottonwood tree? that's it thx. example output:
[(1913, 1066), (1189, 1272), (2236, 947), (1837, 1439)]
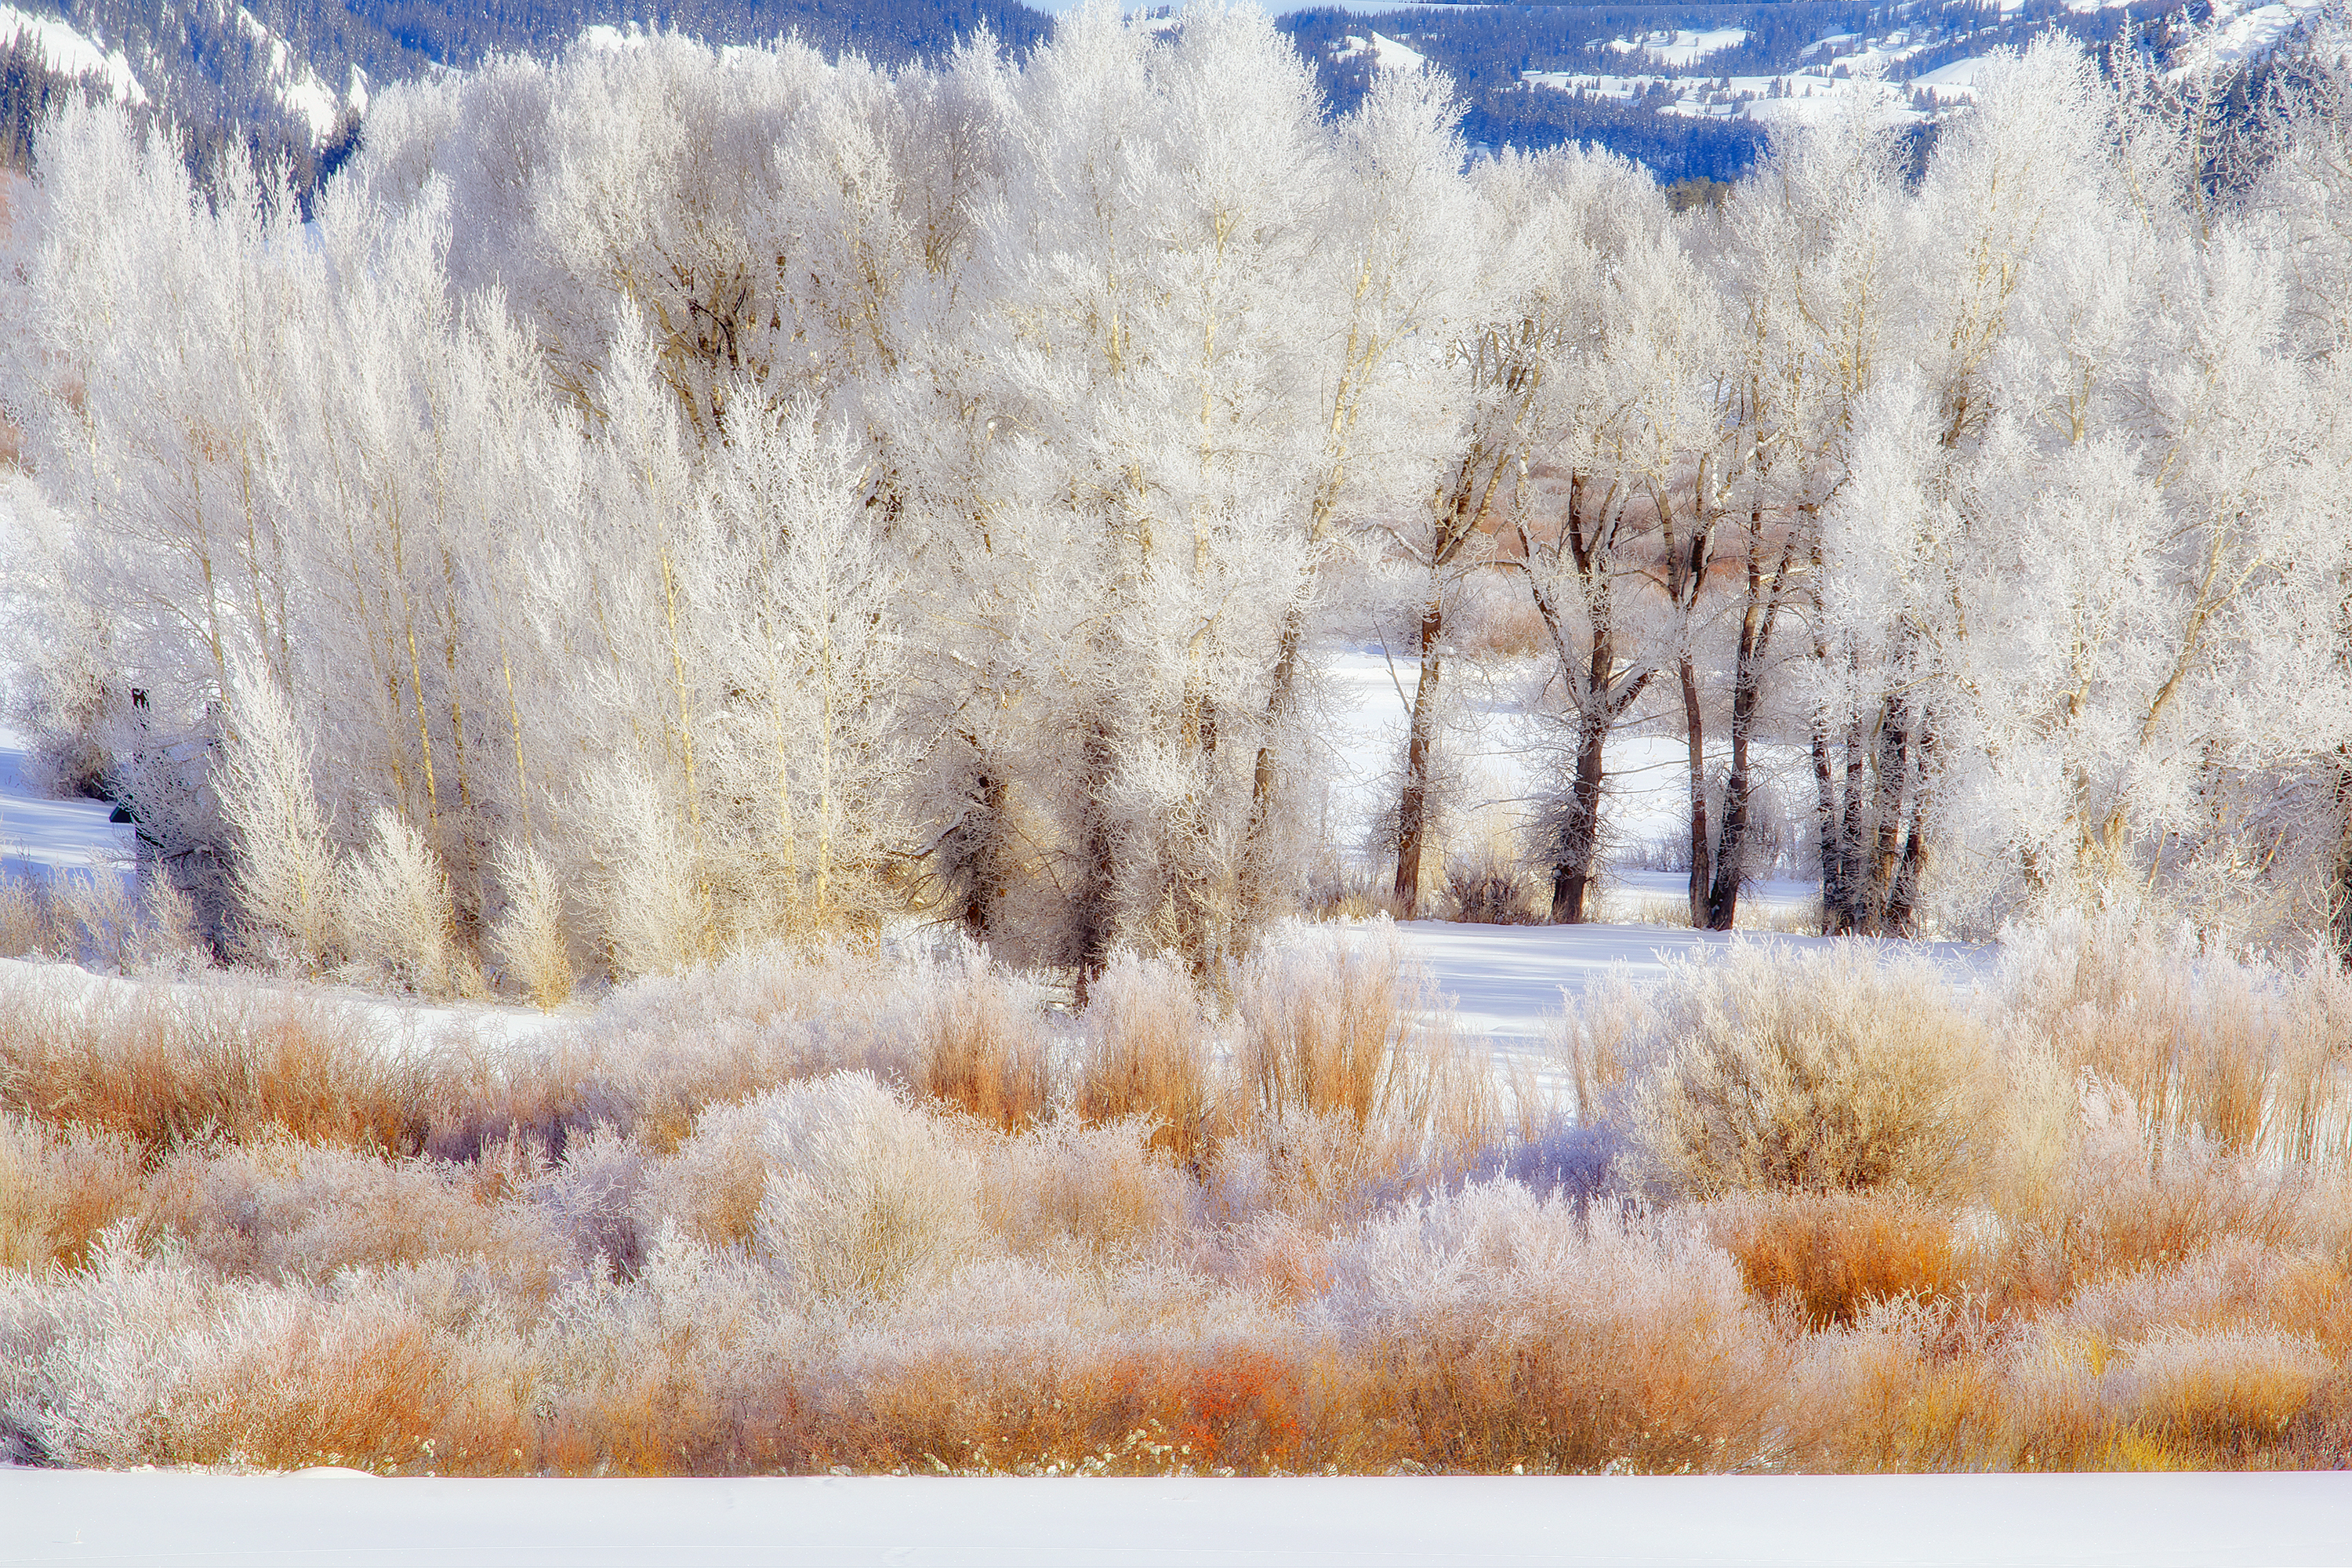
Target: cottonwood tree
[(1519, 311), (1579, 526), (1810, 277)]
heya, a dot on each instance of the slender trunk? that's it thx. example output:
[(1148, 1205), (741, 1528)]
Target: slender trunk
[(1765, 591), (1854, 833), (1254, 889), (1093, 931), (981, 854), (1902, 899), (1695, 732), (1829, 823), (1731, 845), (1412, 804), (407, 631), (2340, 921), (1580, 840), (1887, 803), (1830, 815)]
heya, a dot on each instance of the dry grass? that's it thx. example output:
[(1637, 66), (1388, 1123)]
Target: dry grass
[(1352, 894), (1148, 1050), (100, 918), (162, 1065), (730, 1223), (1832, 1255), (58, 1189), (983, 1048), (1339, 1028), (2251, 1058), (1489, 886)]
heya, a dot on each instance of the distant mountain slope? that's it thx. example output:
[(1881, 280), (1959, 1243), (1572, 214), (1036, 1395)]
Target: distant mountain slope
[(461, 32), (298, 72), (1691, 91)]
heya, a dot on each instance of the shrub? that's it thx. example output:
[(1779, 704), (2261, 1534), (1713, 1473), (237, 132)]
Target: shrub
[(529, 937), (675, 1236), (59, 1188), (1335, 1028), (984, 1044), (869, 1196), (1823, 1071), (1489, 886), (1829, 1255), (400, 917), (1503, 1331)]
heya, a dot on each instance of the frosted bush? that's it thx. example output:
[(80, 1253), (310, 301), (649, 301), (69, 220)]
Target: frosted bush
[(870, 1196), (399, 920), (1099, 1189), (589, 1198), (1824, 1070)]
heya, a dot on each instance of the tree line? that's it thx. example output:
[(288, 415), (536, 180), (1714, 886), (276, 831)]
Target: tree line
[(667, 499)]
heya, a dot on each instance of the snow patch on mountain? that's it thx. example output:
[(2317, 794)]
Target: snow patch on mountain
[(2238, 32), (296, 86), (1683, 48), (66, 51), (1386, 53)]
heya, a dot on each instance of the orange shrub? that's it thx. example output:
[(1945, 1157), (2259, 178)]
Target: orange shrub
[(1830, 1254)]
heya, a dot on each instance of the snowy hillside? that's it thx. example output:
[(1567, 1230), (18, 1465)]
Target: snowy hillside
[(67, 52)]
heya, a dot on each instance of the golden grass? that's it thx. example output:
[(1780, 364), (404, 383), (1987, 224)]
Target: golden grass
[(1148, 1050), (1876, 1227), (1830, 1255), (59, 1188), (162, 1065), (984, 1051)]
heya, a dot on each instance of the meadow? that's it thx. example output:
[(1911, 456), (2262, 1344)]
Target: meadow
[(848, 1211)]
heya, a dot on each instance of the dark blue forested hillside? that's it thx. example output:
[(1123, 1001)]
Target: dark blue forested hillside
[(459, 32), (1487, 49)]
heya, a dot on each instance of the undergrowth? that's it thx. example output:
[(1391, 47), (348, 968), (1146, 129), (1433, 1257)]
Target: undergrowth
[(801, 1212)]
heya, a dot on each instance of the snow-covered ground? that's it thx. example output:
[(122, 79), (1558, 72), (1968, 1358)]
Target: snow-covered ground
[(1506, 983), (168, 1520), (44, 838), (1504, 755)]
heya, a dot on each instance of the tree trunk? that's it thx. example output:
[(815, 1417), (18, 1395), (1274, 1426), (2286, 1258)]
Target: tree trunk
[(1412, 801), (1756, 625), (1731, 844), (1888, 799), (1253, 895), (1094, 922), (1855, 834), (1830, 820), (1695, 730), (2339, 926), (974, 856), (1580, 838), (1902, 898)]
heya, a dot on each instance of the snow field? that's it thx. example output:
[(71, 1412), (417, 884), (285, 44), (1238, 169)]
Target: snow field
[(45, 836), (1823, 1522)]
